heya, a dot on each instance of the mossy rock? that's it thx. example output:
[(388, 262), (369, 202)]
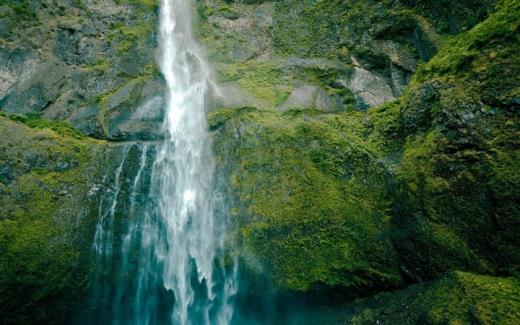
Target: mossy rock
[(47, 219), (310, 199), (450, 143), (458, 298), (459, 171)]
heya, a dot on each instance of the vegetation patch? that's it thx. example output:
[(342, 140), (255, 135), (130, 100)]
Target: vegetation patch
[(315, 216), (44, 184), (34, 120), (458, 298)]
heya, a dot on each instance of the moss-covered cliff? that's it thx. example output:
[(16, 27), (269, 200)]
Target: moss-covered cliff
[(457, 298), (50, 183), (311, 200), (404, 192), (367, 147)]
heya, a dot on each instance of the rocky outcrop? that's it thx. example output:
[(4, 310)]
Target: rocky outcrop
[(371, 90), (64, 60), (458, 297), (278, 51)]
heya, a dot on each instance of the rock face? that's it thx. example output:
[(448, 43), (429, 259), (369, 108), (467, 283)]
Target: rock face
[(281, 51), (50, 184), (65, 60), (370, 89), (431, 177)]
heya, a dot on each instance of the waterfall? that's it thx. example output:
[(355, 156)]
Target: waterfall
[(160, 240), (185, 164)]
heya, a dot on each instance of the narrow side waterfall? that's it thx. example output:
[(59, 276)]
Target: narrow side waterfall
[(159, 243)]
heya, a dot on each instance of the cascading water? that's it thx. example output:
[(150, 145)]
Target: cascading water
[(185, 165), (169, 265)]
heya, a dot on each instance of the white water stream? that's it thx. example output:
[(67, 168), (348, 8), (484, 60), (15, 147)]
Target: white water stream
[(171, 243), (185, 167)]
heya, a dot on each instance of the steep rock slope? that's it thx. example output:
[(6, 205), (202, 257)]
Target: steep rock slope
[(430, 181), (51, 179), (91, 63), (329, 55)]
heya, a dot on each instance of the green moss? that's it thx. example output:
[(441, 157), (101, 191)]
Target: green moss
[(34, 120), (23, 9), (477, 50), (430, 179), (101, 66), (459, 116), (149, 4), (325, 28), (129, 37), (260, 79), (315, 216), (267, 81), (446, 177), (218, 118), (41, 261), (458, 298), (451, 17)]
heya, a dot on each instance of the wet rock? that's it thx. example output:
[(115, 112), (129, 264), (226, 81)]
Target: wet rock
[(301, 98), (310, 97), (371, 89), (136, 111), (85, 121)]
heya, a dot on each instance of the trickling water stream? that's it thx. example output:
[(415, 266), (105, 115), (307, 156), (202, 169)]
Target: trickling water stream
[(168, 267)]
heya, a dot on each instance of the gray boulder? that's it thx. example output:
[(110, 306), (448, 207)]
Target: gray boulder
[(311, 97)]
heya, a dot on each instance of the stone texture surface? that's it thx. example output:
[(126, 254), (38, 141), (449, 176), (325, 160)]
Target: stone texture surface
[(310, 97), (59, 58)]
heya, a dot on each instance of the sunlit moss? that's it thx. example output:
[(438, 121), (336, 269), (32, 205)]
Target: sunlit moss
[(34, 120)]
